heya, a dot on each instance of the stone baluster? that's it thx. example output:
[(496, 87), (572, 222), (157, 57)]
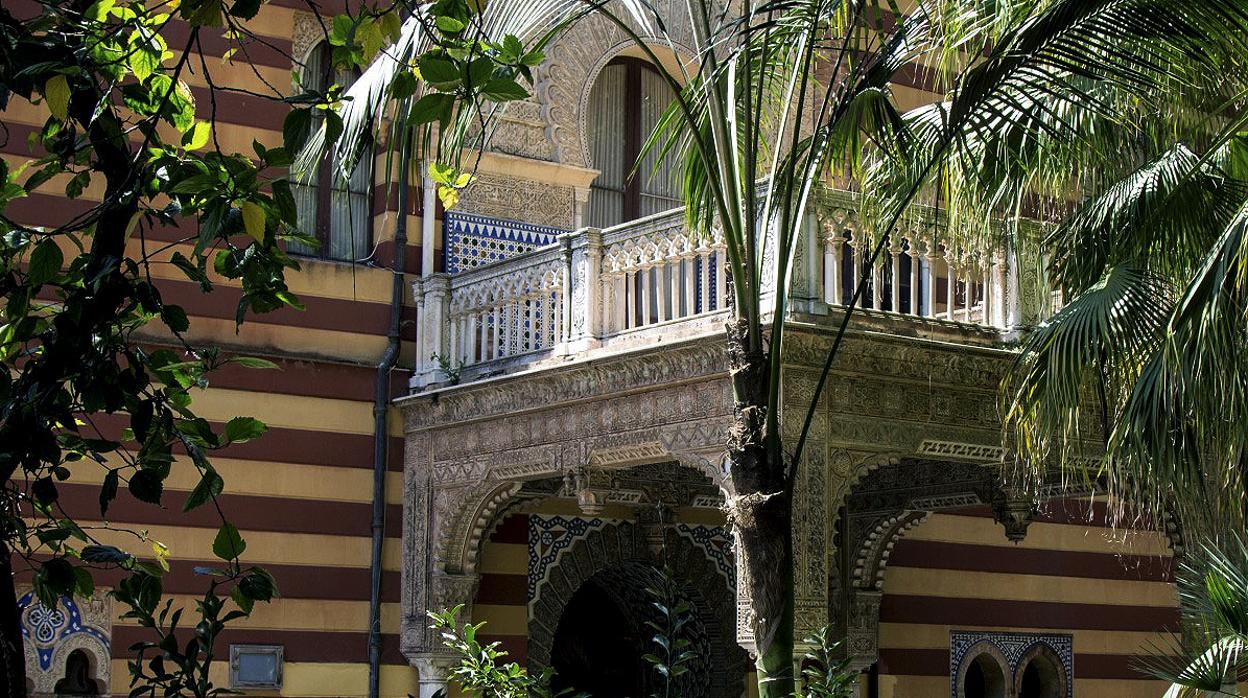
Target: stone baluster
[(985, 316), (894, 286), (673, 280), (998, 290), (645, 296), (691, 281), (630, 289), (877, 276), (855, 266), (660, 293), (832, 243), (608, 303), (950, 284), (931, 255), (916, 266)]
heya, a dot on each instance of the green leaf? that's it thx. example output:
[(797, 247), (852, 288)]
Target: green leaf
[(449, 25), (147, 486), (253, 220), (198, 136), (45, 262), (84, 585), (513, 48), (243, 429), (228, 544), (210, 485), (108, 491), (175, 317), (432, 107), (504, 90), (438, 71), (56, 91), (245, 9), (253, 362), (296, 129), (403, 85)]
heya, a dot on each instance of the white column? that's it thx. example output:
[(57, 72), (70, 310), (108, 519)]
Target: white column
[(630, 309), (877, 280), (832, 268), (931, 258), (673, 295), (894, 286), (915, 280), (429, 208), (487, 315), (949, 290), (660, 293), (645, 296), (855, 266), (986, 306), (690, 295)]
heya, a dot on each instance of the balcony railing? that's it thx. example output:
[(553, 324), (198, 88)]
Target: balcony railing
[(633, 283)]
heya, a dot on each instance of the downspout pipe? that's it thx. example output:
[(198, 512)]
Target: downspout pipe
[(381, 405)]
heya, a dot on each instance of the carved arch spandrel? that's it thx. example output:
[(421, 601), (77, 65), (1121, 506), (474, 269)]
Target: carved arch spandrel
[(576, 59)]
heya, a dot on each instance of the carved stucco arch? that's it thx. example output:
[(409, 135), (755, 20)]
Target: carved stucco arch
[(1041, 650), (622, 543), (484, 504), (872, 559), (973, 654), (575, 61)]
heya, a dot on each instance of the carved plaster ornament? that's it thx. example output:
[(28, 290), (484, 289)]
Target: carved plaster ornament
[(1014, 510), (591, 500)]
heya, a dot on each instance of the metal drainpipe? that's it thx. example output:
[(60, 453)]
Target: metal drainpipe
[(381, 404)]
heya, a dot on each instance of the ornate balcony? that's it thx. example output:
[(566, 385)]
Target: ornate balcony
[(593, 292)]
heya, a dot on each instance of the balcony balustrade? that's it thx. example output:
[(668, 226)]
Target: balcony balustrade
[(651, 279)]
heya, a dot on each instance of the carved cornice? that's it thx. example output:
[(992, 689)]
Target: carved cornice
[(703, 358)]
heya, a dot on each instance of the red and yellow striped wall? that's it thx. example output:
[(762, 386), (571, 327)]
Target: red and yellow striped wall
[(1111, 589)]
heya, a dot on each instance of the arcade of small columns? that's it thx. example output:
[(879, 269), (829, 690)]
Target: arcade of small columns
[(596, 286)]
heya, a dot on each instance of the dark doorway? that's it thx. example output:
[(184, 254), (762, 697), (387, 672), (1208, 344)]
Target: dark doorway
[(597, 649)]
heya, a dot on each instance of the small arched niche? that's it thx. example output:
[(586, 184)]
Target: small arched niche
[(79, 679), (1040, 674), (982, 674)]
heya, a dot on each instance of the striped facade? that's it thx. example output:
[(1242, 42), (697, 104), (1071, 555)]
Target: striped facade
[(1110, 589), (301, 495)]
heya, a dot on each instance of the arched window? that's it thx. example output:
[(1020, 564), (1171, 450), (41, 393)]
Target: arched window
[(982, 676), (1041, 675), (626, 102), (331, 209)]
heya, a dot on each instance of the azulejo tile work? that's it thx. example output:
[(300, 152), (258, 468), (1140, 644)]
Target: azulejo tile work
[(716, 543), (50, 635), (1015, 649), (473, 240), (548, 537)]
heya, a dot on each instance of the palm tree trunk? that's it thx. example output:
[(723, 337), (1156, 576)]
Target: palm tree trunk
[(12, 655), (762, 516)]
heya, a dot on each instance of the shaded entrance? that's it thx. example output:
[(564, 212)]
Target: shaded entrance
[(604, 635)]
